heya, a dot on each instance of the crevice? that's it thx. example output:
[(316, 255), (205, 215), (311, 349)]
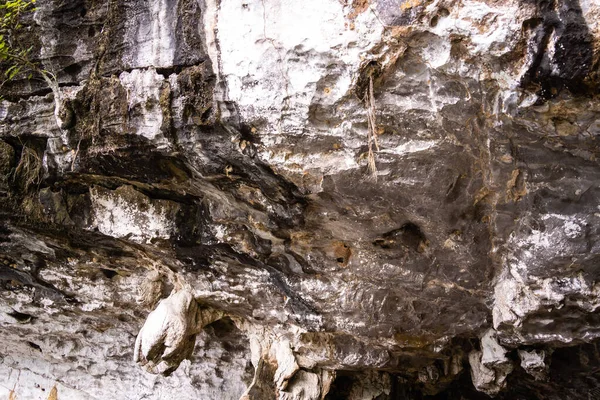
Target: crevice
[(21, 318), (41, 92), (34, 346), (408, 235), (108, 273)]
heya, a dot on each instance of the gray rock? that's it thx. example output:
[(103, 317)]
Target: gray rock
[(362, 199)]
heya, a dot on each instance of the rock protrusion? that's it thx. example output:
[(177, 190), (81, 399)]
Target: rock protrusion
[(169, 334), (278, 374), (534, 363), (490, 367)]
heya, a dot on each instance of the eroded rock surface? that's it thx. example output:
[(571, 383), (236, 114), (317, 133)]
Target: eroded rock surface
[(204, 178)]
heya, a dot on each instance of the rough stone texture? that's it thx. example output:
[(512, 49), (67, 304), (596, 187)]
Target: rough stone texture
[(220, 149), (490, 366)]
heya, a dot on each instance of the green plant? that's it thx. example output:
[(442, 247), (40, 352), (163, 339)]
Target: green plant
[(14, 57)]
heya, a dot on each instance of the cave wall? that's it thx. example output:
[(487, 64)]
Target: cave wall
[(326, 199)]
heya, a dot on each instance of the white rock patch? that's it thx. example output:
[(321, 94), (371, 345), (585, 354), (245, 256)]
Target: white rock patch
[(117, 214), (143, 98), (155, 35), (490, 367)]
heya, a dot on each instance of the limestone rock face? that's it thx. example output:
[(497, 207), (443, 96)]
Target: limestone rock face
[(319, 199)]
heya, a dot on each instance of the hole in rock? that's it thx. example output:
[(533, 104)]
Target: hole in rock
[(408, 235), (34, 346), (73, 69), (20, 317), (531, 23), (341, 253), (341, 387), (109, 273)]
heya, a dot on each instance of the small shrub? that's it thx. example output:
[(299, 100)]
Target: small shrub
[(14, 57)]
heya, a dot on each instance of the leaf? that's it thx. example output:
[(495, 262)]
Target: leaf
[(14, 73), (11, 71)]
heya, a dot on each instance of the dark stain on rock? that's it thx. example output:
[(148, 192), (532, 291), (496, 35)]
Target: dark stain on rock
[(139, 163), (54, 206), (286, 200), (196, 85), (192, 223), (561, 47)]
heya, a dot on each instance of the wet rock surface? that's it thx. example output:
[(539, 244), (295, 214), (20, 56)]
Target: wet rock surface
[(208, 182)]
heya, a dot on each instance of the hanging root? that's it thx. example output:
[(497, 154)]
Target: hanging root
[(372, 133), (29, 168)]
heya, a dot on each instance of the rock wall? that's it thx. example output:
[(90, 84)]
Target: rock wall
[(320, 199)]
